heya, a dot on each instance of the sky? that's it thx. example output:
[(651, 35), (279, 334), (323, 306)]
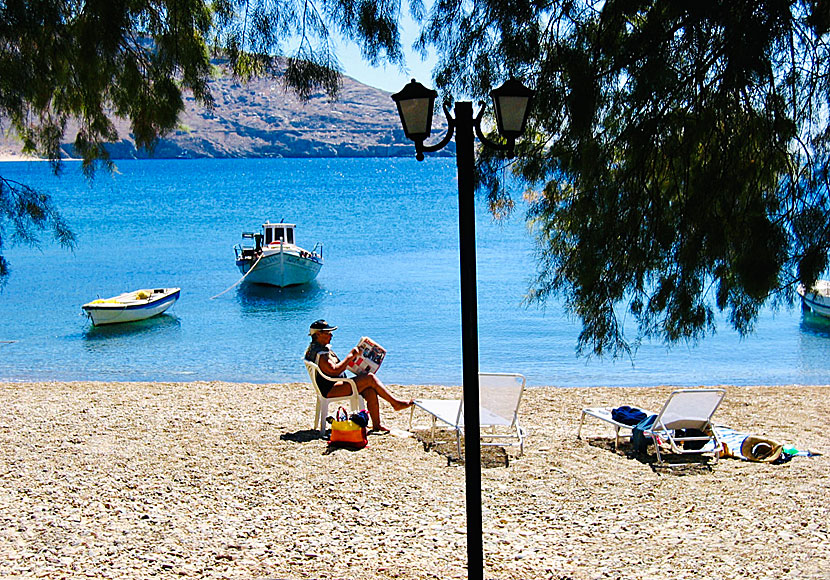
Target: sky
[(388, 77)]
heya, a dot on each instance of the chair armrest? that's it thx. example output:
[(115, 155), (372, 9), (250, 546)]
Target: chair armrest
[(348, 380)]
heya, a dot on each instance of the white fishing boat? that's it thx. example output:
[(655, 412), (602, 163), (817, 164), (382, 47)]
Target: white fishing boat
[(131, 306), (817, 299), (275, 259)]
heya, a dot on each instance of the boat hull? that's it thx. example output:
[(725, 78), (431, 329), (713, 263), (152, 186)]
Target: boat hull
[(817, 299), (128, 308), (281, 268)]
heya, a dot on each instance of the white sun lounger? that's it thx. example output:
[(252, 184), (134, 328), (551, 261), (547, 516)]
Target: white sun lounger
[(688, 409), (500, 395), (684, 409), (604, 414)]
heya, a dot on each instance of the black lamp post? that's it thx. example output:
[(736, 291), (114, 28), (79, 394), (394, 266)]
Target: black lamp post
[(512, 104)]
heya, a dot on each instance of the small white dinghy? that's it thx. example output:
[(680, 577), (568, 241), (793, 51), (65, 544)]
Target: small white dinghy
[(131, 306), (817, 299)]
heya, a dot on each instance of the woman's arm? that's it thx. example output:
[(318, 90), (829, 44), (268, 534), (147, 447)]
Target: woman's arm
[(335, 369)]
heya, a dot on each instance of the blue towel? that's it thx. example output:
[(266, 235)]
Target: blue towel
[(638, 438), (628, 415)]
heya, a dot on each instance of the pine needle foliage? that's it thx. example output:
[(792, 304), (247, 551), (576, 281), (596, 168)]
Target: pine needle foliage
[(85, 62), (677, 157), (676, 161)]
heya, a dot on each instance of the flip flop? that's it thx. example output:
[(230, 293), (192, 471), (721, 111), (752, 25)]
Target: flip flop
[(381, 431)]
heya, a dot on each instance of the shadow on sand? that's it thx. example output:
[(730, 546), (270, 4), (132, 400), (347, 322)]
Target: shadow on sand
[(685, 465), (303, 436)]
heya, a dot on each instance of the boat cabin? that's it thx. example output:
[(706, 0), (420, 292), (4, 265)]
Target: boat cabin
[(283, 233)]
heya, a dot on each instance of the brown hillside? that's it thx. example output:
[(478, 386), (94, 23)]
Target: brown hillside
[(261, 119)]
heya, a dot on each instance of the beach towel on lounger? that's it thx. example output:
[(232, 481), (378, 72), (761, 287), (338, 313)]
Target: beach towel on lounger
[(639, 441), (628, 415)]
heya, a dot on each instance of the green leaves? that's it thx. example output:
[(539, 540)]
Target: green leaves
[(68, 64), (24, 212), (677, 161)]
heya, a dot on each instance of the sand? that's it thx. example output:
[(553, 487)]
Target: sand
[(220, 480)]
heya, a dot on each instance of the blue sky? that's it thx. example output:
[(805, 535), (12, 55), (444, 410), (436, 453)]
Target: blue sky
[(388, 78)]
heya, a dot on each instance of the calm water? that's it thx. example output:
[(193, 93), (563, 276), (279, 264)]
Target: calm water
[(389, 229)]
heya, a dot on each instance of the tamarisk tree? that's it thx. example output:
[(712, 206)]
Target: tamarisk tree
[(679, 158), (84, 62)]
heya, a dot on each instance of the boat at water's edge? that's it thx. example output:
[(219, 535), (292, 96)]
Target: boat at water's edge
[(131, 306), (817, 298), (275, 259)]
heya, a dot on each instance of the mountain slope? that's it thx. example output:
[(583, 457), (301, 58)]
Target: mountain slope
[(261, 119)]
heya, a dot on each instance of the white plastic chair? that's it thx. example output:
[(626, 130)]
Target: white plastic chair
[(500, 395), (355, 401)]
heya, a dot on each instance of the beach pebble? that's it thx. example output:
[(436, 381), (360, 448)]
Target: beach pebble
[(219, 480)]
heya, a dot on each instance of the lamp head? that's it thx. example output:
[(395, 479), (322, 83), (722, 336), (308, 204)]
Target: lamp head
[(512, 104), (415, 103)]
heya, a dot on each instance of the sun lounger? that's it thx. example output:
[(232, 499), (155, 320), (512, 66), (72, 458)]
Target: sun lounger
[(604, 414), (500, 395), (683, 425), (687, 410)]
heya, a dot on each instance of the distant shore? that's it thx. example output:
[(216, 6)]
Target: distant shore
[(16, 157), (224, 480)]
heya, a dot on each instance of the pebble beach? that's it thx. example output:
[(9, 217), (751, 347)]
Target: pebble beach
[(229, 480)]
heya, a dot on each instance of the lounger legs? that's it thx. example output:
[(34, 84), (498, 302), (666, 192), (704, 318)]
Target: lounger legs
[(616, 431)]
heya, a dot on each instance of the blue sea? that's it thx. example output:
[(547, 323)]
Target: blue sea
[(389, 229)]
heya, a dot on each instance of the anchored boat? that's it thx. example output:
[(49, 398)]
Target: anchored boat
[(275, 259), (817, 298), (131, 306)]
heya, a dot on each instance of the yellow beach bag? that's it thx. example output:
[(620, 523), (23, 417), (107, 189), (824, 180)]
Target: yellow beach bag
[(347, 433)]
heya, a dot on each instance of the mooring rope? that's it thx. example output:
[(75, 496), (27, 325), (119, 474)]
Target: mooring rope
[(240, 280)]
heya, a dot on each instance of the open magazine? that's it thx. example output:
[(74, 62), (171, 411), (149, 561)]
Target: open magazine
[(369, 357)]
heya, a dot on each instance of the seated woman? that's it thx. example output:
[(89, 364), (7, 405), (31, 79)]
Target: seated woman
[(368, 385)]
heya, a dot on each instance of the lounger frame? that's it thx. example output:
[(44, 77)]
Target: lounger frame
[(500, 395), (684, 409)]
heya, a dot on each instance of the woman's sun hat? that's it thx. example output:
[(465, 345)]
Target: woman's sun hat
[(320, 326)]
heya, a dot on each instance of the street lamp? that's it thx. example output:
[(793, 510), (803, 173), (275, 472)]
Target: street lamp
[(512, 103)]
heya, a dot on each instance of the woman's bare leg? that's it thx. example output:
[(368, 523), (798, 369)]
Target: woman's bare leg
[(370, 388), (372, 405), (370, 381)]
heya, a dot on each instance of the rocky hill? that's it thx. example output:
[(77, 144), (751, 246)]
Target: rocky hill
[(261, 119)]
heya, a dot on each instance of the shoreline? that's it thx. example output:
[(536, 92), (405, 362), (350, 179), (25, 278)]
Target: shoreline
[(416, 388), (5, 157), (228, 480)]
